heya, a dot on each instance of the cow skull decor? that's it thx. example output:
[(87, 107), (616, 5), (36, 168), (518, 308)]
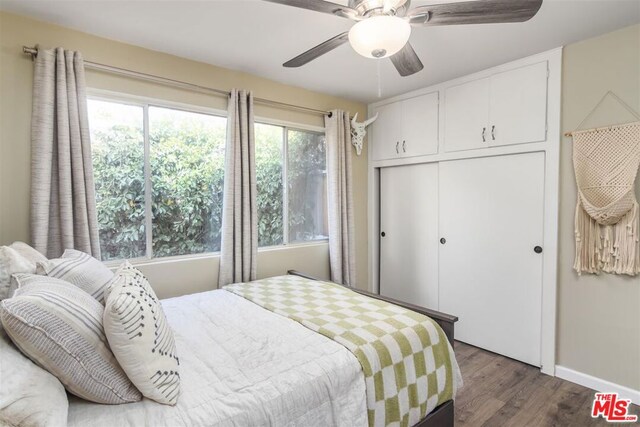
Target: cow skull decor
[(358, 131)]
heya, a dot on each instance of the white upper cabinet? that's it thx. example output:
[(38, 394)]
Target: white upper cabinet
[(518, 105), (506, 108), (420, 125), (467, 115), (406, 128), (386, 131)]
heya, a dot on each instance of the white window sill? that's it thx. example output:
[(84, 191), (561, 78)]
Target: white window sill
[(211, 255)]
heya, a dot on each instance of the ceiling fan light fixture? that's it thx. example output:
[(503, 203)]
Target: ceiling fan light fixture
[(379, 36)]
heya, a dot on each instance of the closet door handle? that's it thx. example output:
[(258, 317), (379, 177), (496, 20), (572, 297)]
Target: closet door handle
[(404, 146), (493, 132), (397, 145), (484, 130)]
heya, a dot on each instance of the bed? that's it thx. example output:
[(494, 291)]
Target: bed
[(246, 366)]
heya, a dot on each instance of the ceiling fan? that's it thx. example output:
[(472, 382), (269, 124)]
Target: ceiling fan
[(383, 27)]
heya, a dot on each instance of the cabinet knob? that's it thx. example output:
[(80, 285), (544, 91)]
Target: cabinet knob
[(383, 234), (538, 249), (397, 145), (404, 146), (493, 132), (484, 130), (443, 240)]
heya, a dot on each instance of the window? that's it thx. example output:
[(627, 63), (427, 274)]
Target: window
[(269, 178), (170, 204), (306, 186), (187, 176), (296, 212), (159, 174), (117, 138)]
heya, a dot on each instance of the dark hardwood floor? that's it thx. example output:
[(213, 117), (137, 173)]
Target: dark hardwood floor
[(499, 391)]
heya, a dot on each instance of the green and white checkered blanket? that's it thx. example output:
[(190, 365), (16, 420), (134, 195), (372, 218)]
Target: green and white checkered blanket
[(408, 364)]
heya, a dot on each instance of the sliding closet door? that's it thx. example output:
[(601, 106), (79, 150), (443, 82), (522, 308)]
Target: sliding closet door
[(491, 220), (409, 234)]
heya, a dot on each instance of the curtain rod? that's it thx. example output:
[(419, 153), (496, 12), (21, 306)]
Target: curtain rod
[(33, 51)]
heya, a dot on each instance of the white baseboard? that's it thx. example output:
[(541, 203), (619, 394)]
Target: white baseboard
[(597, 384)]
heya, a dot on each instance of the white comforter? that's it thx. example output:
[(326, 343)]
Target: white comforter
[(242, 365)]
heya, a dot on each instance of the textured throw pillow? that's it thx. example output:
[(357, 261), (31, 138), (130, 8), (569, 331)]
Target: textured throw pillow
[(16, 258), (59, 326), (29, 395), (140, 337), (12, 262), (80, 269), (28, 252)]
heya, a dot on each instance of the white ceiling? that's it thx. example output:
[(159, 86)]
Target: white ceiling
[(257, 37)]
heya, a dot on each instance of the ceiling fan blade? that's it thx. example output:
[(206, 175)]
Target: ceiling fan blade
[(406, 61), (317, 51), (321, 6), (475, 12)]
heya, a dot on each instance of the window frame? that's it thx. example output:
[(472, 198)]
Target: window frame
[(145, 102)]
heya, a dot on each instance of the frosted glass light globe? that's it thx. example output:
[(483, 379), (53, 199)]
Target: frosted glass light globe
[(379, 36)]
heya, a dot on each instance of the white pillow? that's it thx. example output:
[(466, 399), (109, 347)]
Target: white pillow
[(140, 337), (59, 327), (29, 395), (28, 252), (16, 258), (80, 269)]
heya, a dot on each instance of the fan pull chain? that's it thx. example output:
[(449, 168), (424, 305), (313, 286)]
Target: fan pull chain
[(378, 61)]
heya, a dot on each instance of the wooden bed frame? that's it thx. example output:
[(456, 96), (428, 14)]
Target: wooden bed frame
[(443, 415)]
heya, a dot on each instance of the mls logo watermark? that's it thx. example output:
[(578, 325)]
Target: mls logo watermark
[(612, 409)]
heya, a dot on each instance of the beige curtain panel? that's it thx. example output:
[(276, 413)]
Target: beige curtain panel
[(239, 245), (63, 205), (340, 193), (607, 220)]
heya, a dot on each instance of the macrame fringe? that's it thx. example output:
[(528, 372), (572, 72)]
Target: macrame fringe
[(609, 248)]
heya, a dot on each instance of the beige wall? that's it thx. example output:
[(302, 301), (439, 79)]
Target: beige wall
[(598, 316), (169, 277)]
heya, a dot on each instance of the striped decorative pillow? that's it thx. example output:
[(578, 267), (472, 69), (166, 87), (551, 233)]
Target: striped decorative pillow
[(59, 327), (80, 269), (140, 337)]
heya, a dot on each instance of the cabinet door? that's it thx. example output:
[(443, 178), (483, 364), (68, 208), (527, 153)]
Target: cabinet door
[(518, 106), (466, 116), (491, 215), (387, 131), (420, 125), (409, 221)]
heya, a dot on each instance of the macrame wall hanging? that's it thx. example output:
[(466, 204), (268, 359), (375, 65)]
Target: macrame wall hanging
[(607, 220)]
